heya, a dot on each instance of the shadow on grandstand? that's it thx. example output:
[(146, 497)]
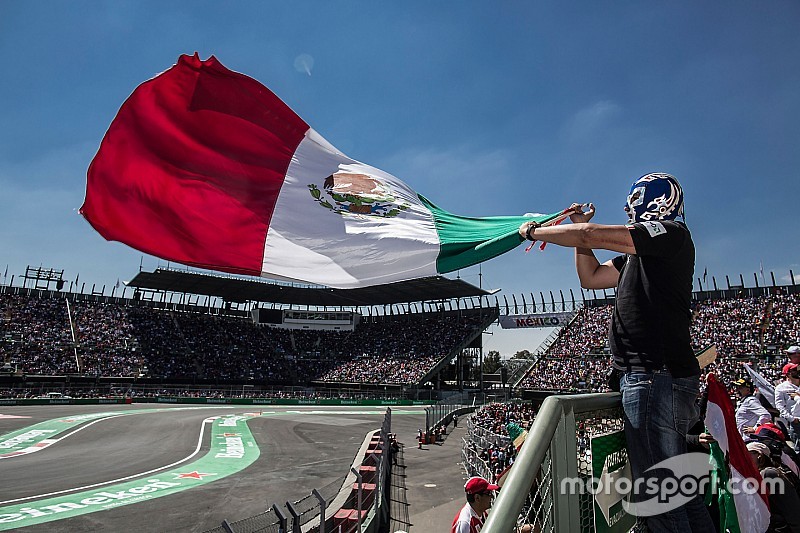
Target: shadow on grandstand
[(399, 519)]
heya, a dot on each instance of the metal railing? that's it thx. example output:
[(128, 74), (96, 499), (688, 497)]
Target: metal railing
[(554, 450), (458, 404), (476, 440)]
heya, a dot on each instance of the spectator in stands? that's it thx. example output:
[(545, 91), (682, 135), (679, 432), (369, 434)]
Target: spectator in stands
[(784, 503), (650, 327), (787, 400), (794, 354), (749, 411), (480, 495)]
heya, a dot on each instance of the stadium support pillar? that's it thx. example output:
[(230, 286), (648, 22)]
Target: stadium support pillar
[(741, 279), (480, 367), (755, 277), (728, 281), (714, 281), (772, 275), (791, 275)]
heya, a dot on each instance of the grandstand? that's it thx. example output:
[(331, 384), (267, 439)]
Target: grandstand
[(414, 338), (746, 326), (417, 334)]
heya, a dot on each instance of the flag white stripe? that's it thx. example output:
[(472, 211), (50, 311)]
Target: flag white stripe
[(751, 511), (764, 386), (307, 241)]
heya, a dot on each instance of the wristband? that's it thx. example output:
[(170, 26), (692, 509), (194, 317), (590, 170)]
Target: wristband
[(531, 230)]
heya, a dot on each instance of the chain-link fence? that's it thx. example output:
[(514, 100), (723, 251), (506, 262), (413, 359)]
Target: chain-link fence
[(573, 435), (476, 440)]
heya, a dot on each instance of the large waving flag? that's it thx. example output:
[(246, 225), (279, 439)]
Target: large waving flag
[(742, 509), (206, 167)]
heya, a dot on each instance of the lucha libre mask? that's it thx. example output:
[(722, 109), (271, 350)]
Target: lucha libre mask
[(656, 196)]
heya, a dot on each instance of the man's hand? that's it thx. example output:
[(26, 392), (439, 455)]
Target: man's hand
[(706, 439), (748, 430), (579, 216)]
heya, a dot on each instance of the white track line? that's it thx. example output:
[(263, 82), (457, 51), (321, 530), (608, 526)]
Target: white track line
[(132, 476)]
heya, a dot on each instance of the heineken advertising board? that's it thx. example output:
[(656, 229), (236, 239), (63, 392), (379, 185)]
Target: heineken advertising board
[(609, 464)]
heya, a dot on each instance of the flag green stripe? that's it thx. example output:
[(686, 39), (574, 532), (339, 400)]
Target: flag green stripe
[(728, 517), (467, 241)]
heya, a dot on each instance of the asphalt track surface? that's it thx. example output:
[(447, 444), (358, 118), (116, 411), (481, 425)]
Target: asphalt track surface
[(301, 448)]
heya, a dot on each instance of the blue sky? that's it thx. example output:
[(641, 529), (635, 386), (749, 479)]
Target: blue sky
[(487, 108)]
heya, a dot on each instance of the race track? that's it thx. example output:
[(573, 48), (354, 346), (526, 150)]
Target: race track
[(147, 467)]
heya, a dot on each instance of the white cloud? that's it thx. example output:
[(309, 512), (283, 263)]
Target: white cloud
[(590, 121)]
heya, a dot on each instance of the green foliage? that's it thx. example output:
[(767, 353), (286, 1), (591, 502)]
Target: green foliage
[(491, 362), (523, 354)]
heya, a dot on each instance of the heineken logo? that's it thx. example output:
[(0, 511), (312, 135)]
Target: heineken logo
[(348, 193)]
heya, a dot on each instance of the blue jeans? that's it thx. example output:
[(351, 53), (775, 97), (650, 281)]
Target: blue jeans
[(658, 412)]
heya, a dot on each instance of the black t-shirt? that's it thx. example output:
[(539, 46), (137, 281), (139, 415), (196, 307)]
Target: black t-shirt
[(650, 325)]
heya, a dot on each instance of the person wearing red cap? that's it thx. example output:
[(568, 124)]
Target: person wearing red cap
[(787, 400), (480, 494)]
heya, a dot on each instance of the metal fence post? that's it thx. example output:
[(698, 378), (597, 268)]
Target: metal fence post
[(322, 507), (295, 518), (281, 518), (360, 493), (227, 527)]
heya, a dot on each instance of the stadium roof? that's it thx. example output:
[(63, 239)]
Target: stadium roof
[(241, 290)]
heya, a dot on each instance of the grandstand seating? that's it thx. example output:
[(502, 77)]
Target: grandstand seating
[(743, 329), (127, 338), (131, 338)]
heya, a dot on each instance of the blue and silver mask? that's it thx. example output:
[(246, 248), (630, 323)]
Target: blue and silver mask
[(656, 196)]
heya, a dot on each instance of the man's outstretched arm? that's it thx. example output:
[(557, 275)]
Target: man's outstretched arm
[(585, 237)]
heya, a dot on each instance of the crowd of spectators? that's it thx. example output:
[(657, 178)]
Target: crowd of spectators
[(749, 330), (488, 438), (118, 340)]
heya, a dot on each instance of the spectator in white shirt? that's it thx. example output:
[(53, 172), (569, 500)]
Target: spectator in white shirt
[(787, 400), (749, 411)]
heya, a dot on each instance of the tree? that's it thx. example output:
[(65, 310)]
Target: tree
[(491, 362), (523, 354)]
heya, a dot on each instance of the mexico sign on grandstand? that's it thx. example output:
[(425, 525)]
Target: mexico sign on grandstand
[(538, 320)]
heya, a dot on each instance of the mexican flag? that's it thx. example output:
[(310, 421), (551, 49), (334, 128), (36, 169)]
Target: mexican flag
[(733, 468), (206, 167)]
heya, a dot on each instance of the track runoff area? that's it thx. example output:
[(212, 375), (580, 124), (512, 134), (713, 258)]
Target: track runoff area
[(167, 468)]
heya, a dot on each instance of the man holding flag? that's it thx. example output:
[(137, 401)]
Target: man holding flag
[(649, 331)]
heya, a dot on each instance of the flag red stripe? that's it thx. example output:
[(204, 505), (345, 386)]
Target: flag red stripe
[(191, 167), (738, 455)]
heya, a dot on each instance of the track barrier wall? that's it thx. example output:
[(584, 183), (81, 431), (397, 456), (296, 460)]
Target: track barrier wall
[(211, 401), (358, 504)]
